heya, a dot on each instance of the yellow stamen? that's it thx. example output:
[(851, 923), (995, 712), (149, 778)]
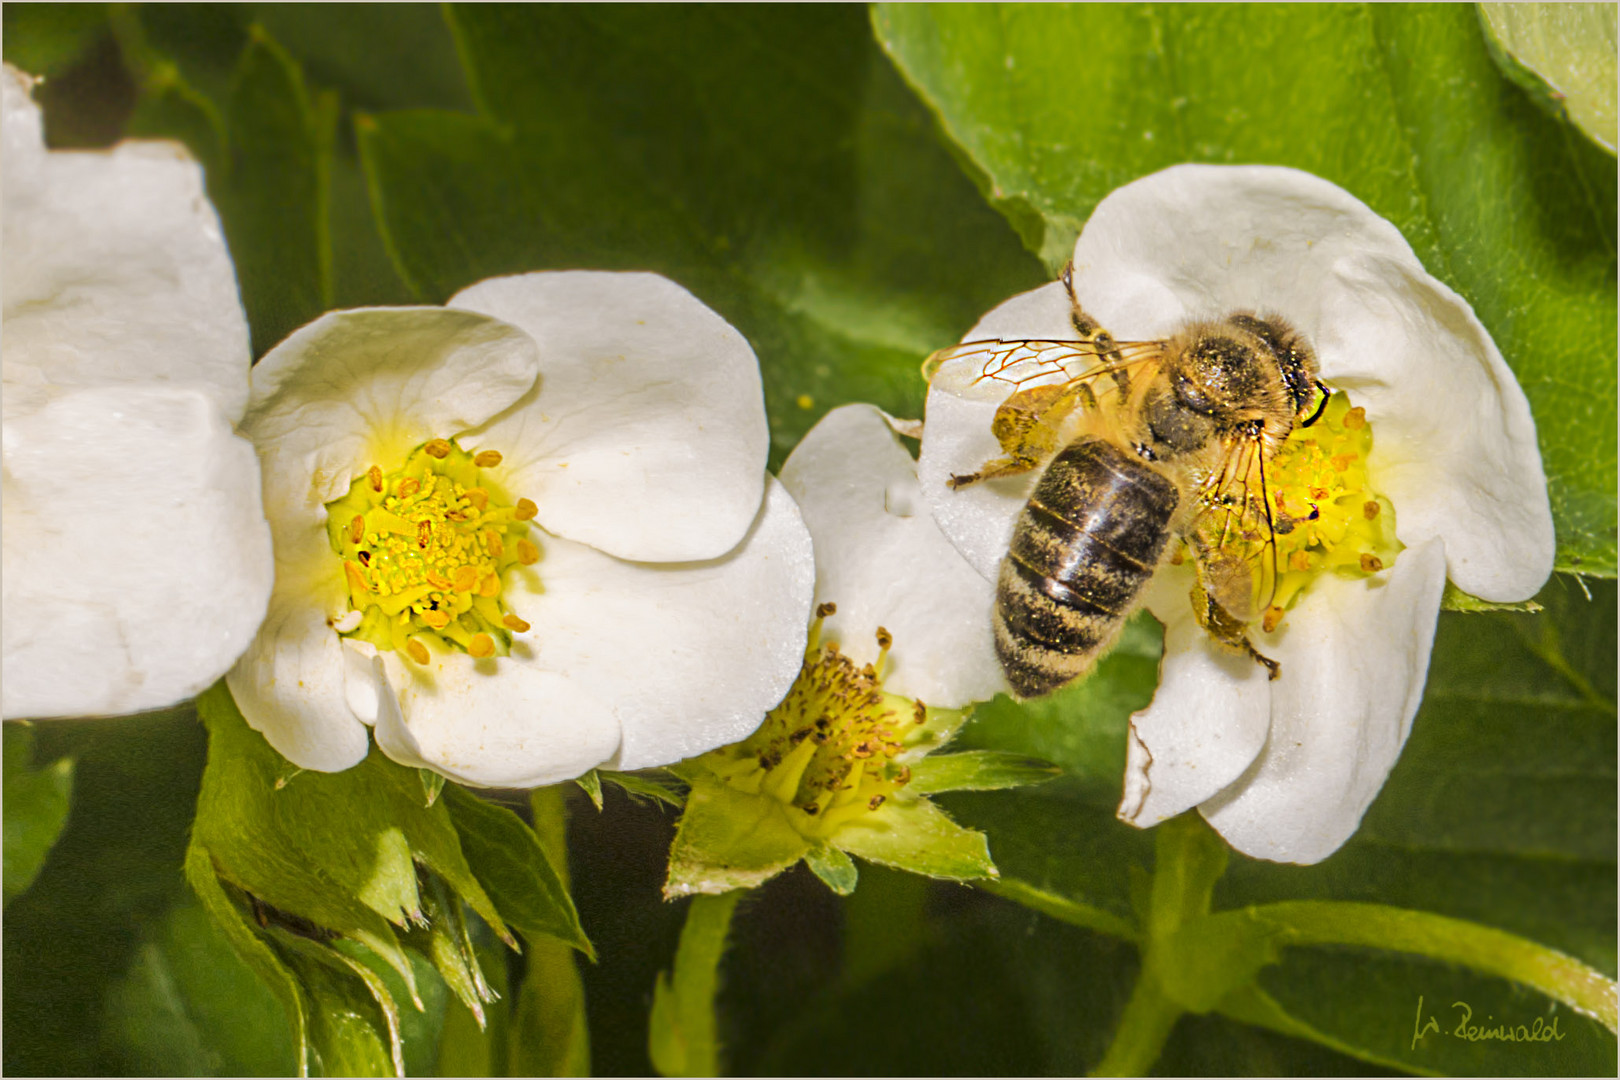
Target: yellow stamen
[(527, 553), (357, 529), (436, 618), (481, 646), (409, 486), (512, 622), (1299, 561), (1371, 564), (374, 474), (487, 459), (490, 586), (1369, 509), (466, 579), (437, 448), (1355, 418), (492, 540), (417, 651), (525, 510), (479, 498), (1272, 618)]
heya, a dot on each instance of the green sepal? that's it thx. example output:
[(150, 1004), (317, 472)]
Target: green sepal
[(591, 785), (510, 862), (659, 785), (728, 839), (346, 1037), (835, 869), (36, 808), (1454, 599), (916, 835), (432, 784), (978, 770), (447, 944)]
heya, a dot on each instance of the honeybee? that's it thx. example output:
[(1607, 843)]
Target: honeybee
[(1142, 443)]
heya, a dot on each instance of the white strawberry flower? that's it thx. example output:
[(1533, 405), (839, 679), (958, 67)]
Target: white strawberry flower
[(1286, 769), (522, 535), (136, 555)]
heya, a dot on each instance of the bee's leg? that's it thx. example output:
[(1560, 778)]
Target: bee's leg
[(1227, 628), (1027, 427)]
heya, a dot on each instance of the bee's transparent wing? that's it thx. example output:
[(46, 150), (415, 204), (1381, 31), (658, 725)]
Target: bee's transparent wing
[(1237, 533), (994, 370)]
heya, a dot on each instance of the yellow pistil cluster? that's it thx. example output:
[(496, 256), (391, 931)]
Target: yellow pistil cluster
[(828, 751), (424, 550), (1325, 513)]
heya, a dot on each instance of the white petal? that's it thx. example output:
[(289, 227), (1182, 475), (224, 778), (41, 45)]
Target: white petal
[(1454, 442), (503, 722), (689, 656), (360, 388), (646, 437), (137, 560), (1354, 658), (299, 684), (978, 519), (881, 559), (115, 270), (1208, 718)]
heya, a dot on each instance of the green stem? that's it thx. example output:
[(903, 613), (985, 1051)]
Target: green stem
[(1483, 948), (1143, 1029), (682, 1036), (548, 1035)]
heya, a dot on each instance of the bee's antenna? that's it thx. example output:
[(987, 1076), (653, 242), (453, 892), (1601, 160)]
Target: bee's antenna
[(1322, 406)]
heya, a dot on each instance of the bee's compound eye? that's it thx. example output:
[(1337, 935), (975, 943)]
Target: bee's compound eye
[(1191, 395)]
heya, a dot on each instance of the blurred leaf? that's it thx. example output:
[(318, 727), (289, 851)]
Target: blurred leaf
[(807, 200), (36, 808), (45, 39), (1563, 55), (682, 1039), (189, 1006), (510, 863), (1405, 110), (115, 870), (978, 770), (275, 194)]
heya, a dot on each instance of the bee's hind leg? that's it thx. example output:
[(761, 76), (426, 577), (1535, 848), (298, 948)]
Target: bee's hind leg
[(1273, 668)]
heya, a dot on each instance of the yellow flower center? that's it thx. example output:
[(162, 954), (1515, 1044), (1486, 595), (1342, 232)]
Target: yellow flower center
[(828, 751), (425, 549), (1324, 510)]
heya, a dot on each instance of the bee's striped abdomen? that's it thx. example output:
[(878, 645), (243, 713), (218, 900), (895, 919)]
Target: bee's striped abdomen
[(1085, 545)]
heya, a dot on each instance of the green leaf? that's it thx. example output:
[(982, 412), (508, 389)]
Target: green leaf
[(510, 863), (682, 1038), (1563, 55), (978, 770), (1405, 110), (815, 210), (46, 39), (354, 1023), (36, 808), (447, 943), (835, 869)]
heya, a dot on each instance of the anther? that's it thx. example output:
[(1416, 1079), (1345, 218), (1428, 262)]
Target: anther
[(1272, 618), (884, 638), (512, 622), (1341, 462), (481, 647), (438, 580), (492, 540), (436, 618), (877, 801), (490, 587), (466, 579), (527, 553), (357, 529), (357, 578), (439, 448), (1355, 418), (479, 498), (524, 510), (1299, 561), (1371, 564), (374, 476), (417, 651), (824, 610), (424, 533), (1369, 509), (487, 459), (409, 486)]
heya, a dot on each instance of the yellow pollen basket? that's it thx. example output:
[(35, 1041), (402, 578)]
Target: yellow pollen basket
[(425, 549), (828, 751), (1325, 514)]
